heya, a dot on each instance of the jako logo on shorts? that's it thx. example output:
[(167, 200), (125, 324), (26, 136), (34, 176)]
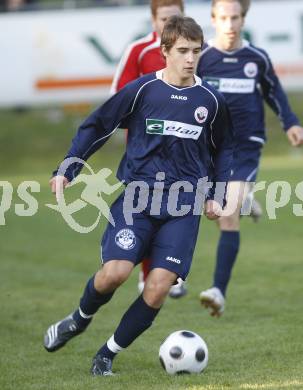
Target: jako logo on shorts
[(173, 259), (125, 239)]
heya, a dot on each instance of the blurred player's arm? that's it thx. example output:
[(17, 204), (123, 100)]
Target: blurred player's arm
[(127, 70), (277, 99)]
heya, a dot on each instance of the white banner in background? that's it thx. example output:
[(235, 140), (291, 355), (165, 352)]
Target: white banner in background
[(70, 56)]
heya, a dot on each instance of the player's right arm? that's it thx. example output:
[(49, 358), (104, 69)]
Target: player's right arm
[(58, 181), (95, 131), (58, 184)]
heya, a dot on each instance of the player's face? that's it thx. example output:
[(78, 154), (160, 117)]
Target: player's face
[(181, 62), (228, 22), (163, 13)]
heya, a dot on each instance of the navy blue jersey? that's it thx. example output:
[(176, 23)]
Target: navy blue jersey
[(184, 132), (246, 77)]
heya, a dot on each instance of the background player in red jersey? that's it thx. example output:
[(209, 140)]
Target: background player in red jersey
[(141, 57)]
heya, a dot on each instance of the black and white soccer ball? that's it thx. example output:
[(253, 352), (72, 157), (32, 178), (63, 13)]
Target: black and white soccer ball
[(183, 351)]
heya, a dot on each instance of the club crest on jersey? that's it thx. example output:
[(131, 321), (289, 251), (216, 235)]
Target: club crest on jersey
[(201, 114), (125, 239), (251, 69)]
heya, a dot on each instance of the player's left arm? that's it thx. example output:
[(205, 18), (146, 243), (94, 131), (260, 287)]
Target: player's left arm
[(277, 99), (213, 209), (222, 147)]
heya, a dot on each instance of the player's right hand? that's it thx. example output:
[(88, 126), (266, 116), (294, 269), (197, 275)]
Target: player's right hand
[(57, 184)]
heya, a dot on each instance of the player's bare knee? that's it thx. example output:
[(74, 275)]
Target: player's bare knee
[(155, 292), (115, 279), (108, 279), (154, 300)]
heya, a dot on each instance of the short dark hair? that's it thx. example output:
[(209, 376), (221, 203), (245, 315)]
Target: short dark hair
[(245, 4), (155, 4), (180, 26)]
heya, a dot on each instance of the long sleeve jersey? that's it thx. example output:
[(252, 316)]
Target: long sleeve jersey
[(246, 78), (184, 132)]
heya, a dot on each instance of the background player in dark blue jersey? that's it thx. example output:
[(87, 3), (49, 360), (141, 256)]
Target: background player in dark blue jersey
[(245, 76), (179, 132)]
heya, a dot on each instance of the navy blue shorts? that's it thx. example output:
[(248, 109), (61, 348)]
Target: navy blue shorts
[(168, 241), (246, 161)]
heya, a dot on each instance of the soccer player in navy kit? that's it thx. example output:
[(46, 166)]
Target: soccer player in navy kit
[(142, 57), (245, 76), (179, 133)]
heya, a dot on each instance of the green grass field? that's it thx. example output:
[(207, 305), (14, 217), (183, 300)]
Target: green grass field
[(257, 344)]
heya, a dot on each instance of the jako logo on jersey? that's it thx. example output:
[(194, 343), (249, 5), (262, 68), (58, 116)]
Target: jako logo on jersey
[(230, 60), (251, 69), (178, 97), (173, 259), (125, 239), (201, 114), (178, 129)]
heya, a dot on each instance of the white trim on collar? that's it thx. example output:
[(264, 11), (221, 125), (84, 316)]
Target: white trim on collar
[(198, 81)]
